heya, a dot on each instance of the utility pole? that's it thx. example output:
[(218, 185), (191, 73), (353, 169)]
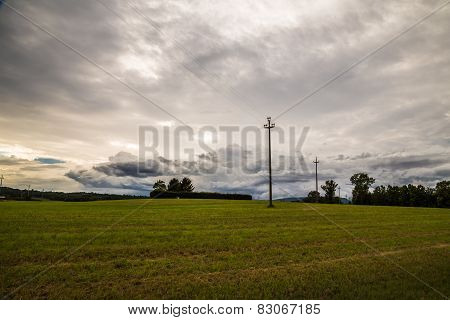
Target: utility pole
[(317, 181), (1, 183), (339, 189), (270, 126)]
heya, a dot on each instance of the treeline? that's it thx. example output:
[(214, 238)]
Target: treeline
[(174, 185), (28, 195), (199, 195), (405, 196), (412, 196), (184, 189)]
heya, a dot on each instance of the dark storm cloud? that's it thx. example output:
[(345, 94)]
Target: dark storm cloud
[(125, 172), (129, 169), (443, 173), (89, 179), (405, 163), (272, 63), (53, 74), (427, 180)]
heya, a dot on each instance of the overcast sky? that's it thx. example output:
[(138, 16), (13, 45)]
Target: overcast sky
[(66, 124)]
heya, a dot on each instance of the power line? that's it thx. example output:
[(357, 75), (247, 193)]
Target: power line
[(179, 45), (92, 62), (154, 25), (361, 60)]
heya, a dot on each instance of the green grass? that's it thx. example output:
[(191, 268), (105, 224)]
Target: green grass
[(207, 249)]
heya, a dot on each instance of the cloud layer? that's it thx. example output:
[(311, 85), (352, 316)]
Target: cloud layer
[(218, 64)]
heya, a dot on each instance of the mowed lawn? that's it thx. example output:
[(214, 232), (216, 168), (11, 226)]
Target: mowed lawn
[(207, 249)]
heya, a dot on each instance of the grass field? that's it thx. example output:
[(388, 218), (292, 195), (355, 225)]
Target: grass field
[(193, 249)]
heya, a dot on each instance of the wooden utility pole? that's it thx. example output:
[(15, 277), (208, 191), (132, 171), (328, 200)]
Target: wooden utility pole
[(317, 181), (339, 188), (1, 180), (270, 126)]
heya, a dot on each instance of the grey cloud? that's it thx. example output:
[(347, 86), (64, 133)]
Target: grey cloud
[(41, 167), (397, 101), (363, 155), (90, 179), (404, 163), (49, 161), (12, 161)]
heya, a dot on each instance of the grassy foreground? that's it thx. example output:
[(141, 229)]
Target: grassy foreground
[(192, 249)]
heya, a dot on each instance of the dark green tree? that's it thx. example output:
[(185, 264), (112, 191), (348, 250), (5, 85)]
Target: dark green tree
[(186, 185), (160, 186), (430, 196), (361, 182), (443, 194), (379, 196), (419, 196), (393, 195), (174, 185), (329, 188), (404, 196), (312, 196)]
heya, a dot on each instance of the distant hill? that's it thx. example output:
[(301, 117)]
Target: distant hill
[(300, 199), (291, 199)]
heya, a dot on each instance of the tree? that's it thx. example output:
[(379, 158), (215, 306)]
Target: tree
[(420, 196), (174, 185), (404, 196), (330, 188), (160, 186), (362, 182), (430, 195), (443, 194), (186, 185), (379, 196), (312, 197), (393, 195)]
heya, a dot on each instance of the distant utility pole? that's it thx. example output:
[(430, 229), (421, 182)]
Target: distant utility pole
[(270, 126), (1, 180), (339, 189), (317, 181)]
